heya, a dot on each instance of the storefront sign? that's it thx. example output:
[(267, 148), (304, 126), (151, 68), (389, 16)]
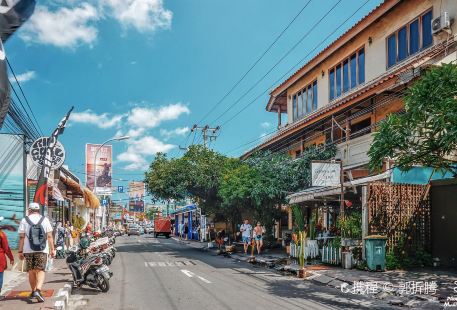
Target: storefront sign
[(325, 174), (38, 150)]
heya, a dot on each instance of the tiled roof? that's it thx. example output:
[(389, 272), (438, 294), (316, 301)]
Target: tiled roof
[(380, 6)]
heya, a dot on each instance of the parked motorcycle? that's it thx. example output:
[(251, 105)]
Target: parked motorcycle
[(89, 270)]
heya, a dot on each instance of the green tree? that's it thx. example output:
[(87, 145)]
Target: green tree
[(426, 134)]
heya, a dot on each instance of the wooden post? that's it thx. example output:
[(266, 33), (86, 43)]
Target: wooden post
[(342, 189), (364, 218)]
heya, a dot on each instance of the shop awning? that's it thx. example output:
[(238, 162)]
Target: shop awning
[(90, 198), (313, 193)]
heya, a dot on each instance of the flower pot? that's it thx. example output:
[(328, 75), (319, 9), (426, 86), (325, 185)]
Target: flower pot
[(301, 273)]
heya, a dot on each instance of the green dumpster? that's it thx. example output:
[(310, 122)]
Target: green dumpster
[(375, 252)]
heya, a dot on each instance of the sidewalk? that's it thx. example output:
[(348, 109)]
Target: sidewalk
[(416, 289), (16, 288)]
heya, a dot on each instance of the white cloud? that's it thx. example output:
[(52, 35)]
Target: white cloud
[(104, 120), (150, 117), (143, 15), (265, 125), (63, 27), (180, 131), (139, 149), (23, 77)]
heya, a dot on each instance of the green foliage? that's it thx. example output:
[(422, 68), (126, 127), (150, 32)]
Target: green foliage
[(227, 186), (427, 133), (350, 225), (299, 219)]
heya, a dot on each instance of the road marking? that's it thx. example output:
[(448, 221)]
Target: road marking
[(204, 280), (169, 264), (187, 273)]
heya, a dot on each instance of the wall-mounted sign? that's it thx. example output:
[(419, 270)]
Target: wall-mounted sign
[(38, 151), (120, 189), (325, 173)]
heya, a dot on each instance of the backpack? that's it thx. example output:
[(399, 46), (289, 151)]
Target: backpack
[(37, 236)]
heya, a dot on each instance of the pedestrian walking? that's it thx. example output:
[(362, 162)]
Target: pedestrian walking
[(186, 230), (258, 236), (4, 252), (68, 239), (246, 231), (35, 243), (180, 230)]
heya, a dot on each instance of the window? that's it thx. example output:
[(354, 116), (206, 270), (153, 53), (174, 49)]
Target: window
[(361, 64), (338, 80), (391, 50), (408, 39), (353, 71), (305, 101), (347, 74), (294, 107), (309, 102), (427, 38), (402, 44), (299, 104), (315, 95), (414, 37), (331, 78)]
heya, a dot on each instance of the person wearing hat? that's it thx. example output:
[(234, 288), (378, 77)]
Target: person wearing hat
[(4, 251), (35, 250)]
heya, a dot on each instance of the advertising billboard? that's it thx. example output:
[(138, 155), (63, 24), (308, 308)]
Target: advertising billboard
[(12, 186), (136, 195), (103, 168)]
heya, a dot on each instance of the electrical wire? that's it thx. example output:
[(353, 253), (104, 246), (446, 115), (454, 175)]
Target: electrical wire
[(278, 62), (255, 63)]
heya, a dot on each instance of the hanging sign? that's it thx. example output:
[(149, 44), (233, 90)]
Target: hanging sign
[(325, 173), (38, 152)]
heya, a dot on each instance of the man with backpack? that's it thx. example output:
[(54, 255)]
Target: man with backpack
[(35, 242)]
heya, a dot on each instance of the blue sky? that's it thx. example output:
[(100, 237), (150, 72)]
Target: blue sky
[(153, 68)]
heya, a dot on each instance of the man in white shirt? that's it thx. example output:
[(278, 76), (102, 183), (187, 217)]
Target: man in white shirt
[(35, 259), (246, 232)]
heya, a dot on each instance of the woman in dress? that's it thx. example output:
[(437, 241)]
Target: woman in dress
[(4, 252)]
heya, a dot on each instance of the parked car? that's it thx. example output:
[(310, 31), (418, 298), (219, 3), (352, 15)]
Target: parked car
[(133, 229), (149, 229)]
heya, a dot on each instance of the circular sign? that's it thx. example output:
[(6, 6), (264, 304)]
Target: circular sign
[(38, 152)]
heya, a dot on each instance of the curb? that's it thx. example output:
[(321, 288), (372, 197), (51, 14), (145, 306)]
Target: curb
[(61, 299)]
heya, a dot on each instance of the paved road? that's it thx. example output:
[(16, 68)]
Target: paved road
[(161, 273)]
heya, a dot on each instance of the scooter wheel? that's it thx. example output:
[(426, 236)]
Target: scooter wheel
[(103, 283)]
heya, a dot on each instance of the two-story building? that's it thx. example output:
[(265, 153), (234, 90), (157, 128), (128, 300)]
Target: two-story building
[(343, 92)]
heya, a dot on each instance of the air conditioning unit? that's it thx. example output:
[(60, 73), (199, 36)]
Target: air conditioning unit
[(441, 23)]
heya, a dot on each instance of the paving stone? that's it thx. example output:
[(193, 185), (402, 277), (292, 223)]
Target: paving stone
[(323, 279)]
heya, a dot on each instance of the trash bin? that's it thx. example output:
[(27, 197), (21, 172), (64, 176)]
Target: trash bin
[(375, 252)]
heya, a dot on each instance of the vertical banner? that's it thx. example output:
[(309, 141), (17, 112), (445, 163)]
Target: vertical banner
[(136, 194), (103, 168), (12, 185)]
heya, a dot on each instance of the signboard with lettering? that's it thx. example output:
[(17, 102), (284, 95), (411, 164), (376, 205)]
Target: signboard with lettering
[(325, 173)]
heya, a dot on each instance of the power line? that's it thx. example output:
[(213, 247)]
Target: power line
[(255, 63), (23, 94), (298, 63), (278, 62)]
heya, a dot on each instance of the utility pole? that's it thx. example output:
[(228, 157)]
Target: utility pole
[(209, 134)]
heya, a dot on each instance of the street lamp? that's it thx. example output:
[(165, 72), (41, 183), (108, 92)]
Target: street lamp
[(95, 162)]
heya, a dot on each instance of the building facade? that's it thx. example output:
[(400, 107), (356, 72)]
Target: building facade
[(340, 96)]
